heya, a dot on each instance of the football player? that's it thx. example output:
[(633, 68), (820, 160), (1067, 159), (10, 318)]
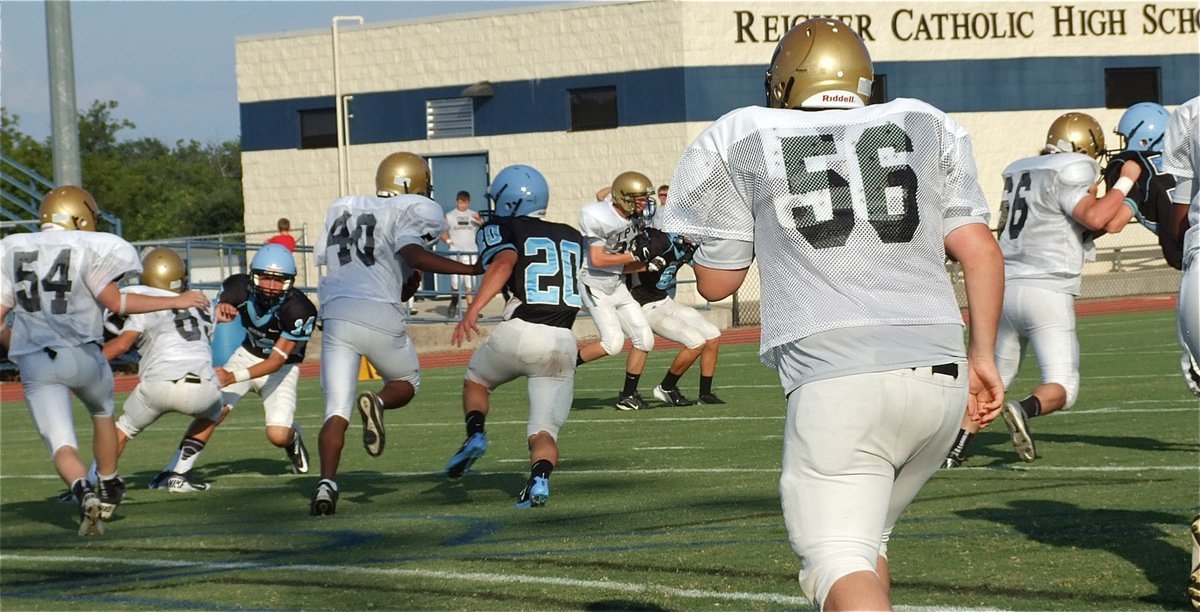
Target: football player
[(538, 262), (851, 212), (279, 320), (460, 237), (1053, 215), (175, 368), (652, 288), (1141, 128), (56, 283), (1181, 158), (616, 247), (375, 249)]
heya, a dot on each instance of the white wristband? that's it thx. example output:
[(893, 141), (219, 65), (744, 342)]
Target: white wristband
[(276, 349), (121, 308), (1123, 184), (241, 375)]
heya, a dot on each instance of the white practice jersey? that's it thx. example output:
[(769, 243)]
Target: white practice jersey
[(360, 243), (846, 212), (600, 224), (173, 343), (463, 225), (50, 280), (1181, 157), (1043, 244)]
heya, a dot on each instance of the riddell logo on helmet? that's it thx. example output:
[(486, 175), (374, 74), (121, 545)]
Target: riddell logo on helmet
[(839, 98)]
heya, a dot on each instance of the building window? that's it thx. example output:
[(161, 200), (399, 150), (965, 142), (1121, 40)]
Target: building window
[(318, 128), (879, 89), (593, 108), (450, 118), (1124, 87)]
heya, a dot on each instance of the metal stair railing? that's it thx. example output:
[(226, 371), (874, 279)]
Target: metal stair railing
[(21, 191)]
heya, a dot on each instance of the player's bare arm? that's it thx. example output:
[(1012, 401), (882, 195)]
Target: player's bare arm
[(278, 357), (132, 303), (498, 272), (411, 285), (417, 257), (976, 249), (121, 344), (226, 312), (1108, 213), (716, 284), (5, 332)]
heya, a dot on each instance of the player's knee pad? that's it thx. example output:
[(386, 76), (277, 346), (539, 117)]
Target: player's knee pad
[(612, 344), (643, 339)]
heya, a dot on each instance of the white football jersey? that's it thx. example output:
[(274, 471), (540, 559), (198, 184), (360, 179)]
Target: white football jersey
[(50, 280), (1181, 157), (361, 238), (1043, 244), (600, 224), (846, 212), (463, 224), (173, 343)]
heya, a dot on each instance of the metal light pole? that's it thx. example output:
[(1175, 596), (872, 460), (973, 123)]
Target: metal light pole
[(343, 131), (64, 123)]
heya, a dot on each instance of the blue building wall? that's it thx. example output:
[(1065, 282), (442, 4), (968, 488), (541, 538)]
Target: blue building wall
[(703, 93)]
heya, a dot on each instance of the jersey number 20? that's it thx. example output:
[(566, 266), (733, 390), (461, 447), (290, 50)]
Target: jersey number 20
[(565, 257)]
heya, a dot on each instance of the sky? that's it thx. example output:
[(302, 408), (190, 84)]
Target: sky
[(170, 63)]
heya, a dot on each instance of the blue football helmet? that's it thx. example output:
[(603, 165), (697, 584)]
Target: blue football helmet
[(1142, 126), (519, 191), (272, 262)]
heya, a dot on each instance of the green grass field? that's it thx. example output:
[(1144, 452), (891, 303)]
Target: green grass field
[(672, 508)]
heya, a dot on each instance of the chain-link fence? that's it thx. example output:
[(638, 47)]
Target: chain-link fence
[(1119, 271)]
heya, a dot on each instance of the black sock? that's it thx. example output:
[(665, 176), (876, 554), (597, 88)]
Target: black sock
[(474, 422), (631, 383), (705, 385), (670, 381), (578, 359), (542, 468), (1031, 405), (959, 449)]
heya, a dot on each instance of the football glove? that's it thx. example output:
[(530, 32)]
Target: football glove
[(1138, 199), (640, 247)]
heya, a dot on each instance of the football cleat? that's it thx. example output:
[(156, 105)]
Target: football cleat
[(324, 499), (535, 493), (710, 399), (632, 401), (178, 483), (1018, 427), (89, 512), (112, 491), (1191, 373), (297, 453), (471, 450), (672, 396), (371, 410), (1194, 579), (951, 462)]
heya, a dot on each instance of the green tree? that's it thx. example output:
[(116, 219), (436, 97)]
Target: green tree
[(158, 191)]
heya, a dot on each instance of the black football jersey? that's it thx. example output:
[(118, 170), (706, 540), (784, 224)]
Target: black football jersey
[(293, 318), (646, 286), (1153, 199), (549, 260)]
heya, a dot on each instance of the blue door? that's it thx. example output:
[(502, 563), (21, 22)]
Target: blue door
[(451, 174)]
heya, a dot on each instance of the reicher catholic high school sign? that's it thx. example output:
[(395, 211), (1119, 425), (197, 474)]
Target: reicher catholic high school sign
[(1057, 20)]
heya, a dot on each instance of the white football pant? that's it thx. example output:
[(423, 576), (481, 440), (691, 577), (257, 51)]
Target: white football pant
[(856, 450), (278, 390), (617, 315), (154, 398), (683, 324), (344, 344), (545, 354), (48, 383), (1045, 319)]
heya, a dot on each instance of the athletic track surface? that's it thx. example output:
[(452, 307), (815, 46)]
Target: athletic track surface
[(12, 391)]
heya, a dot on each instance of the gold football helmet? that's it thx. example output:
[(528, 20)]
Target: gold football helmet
[(628, 188), (820, 63), (401, 173), (71, 208), (1075, 133), (162, 268)]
